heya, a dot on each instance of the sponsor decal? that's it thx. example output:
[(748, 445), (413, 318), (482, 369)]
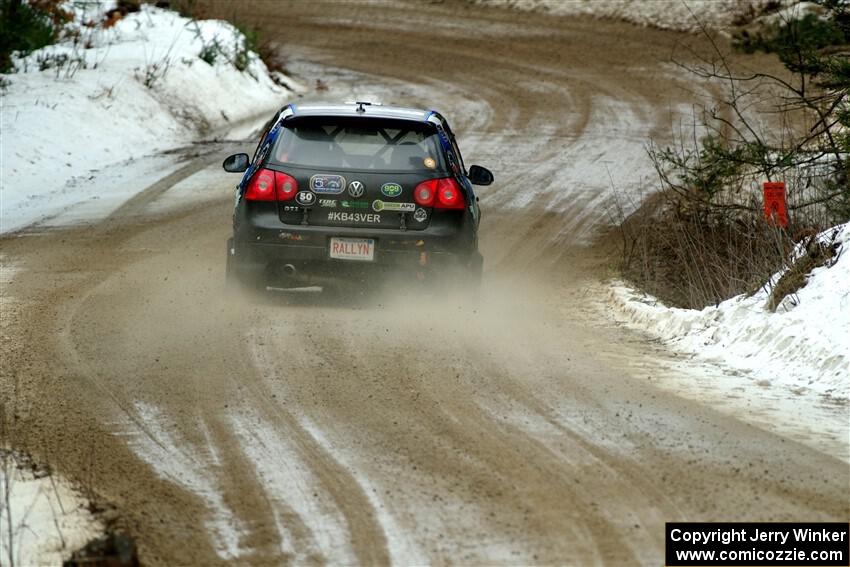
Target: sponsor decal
[(328, 203), (354, 204), (327, 184), (444, 139), (379, 206), (391, 189), (305, 198), (429, 163), (354, 217), (420, 215), (356, 189), (290, 236)]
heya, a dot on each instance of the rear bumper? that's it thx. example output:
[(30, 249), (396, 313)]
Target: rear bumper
[(306, 248)]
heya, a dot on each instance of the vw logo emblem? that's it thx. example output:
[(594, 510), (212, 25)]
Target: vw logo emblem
[(355, 189)]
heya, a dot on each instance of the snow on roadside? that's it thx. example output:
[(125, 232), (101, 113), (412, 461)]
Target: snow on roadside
[(49, 519), (665, 14), (804, 347), (140, 88)]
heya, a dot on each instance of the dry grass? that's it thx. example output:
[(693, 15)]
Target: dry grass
[(691, 256), (817, 254), (242, 15)]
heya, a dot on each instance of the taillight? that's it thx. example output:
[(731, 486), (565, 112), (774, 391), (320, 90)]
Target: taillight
[(261, 187), (287, 187), (439, 193), (268, 185), (425, 192), (449, 195)]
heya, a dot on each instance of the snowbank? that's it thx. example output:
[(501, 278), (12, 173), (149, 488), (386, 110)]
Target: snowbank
[(139, 87), (666, 14), (804, 346), (49, 520)]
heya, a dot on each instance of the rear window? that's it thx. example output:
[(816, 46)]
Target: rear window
[(359, 143)]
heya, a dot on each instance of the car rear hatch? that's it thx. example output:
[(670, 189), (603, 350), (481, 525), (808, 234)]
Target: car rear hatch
[(358, 172), (373, 199)]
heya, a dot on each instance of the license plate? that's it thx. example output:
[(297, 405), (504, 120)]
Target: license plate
[(362, 249)]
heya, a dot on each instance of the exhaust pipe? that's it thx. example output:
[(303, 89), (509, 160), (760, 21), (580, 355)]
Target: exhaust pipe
[(289, 270)]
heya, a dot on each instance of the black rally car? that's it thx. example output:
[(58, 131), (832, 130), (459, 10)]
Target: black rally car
[(340, 190)]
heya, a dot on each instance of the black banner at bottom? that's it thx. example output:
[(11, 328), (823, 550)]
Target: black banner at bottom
[(748, 544)]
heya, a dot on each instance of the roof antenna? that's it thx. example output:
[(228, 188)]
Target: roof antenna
[(361, 104)]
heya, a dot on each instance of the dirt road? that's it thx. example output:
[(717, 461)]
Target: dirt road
[(392, 426)]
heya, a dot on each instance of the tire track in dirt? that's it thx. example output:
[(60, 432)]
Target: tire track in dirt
[(481, 445), (68, 413), (367, 537), (219, 358)]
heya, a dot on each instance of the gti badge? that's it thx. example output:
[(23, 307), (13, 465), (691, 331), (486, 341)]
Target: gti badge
[(327, 184), (355, 189), (305, 198), (391, 189)]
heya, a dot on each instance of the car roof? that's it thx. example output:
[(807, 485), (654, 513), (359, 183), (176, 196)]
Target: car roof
[(360, 109)]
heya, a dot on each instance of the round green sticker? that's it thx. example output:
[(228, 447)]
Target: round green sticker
[(391, 189)]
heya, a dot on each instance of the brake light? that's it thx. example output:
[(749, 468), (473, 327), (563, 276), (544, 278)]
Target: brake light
[(268, 185), (439, 193)]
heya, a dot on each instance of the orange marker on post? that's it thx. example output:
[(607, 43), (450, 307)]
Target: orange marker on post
[(774, 203)]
